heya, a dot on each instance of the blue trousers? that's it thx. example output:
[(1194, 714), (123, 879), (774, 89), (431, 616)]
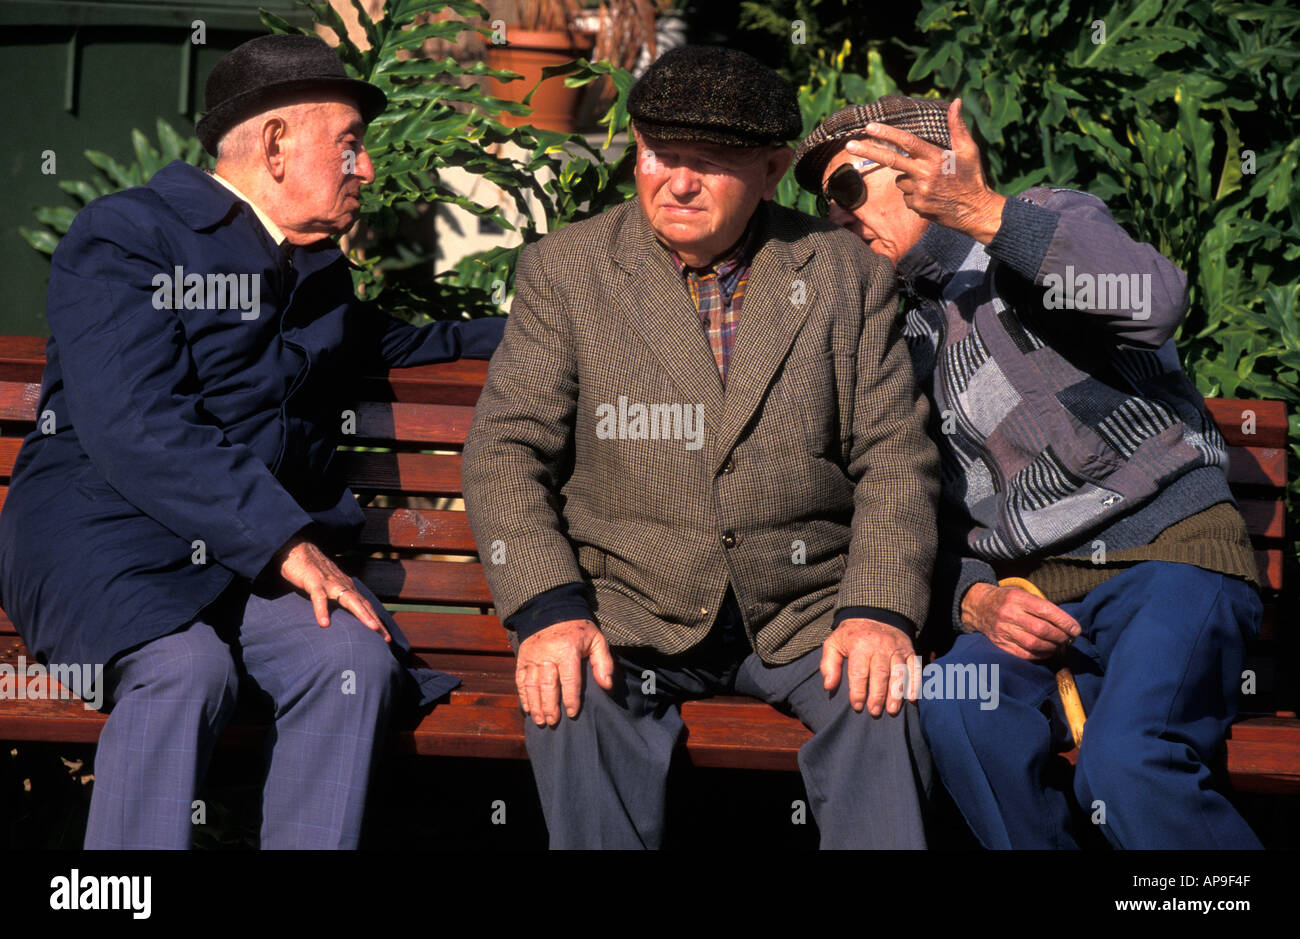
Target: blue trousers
[(332, 690), (1159, 671)]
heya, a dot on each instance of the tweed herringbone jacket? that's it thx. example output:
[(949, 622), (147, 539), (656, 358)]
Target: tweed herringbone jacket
[(809, 485)]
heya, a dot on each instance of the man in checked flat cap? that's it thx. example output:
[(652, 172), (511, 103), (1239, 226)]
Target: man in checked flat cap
[(1077, 456), (699, 466), (170, 519)]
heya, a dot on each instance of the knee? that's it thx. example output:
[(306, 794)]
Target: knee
[(1104, 767), (355, 659), (204, 674), (943, 721)]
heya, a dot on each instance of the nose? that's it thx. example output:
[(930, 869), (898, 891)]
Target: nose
[(365, 170), (841, 216), (683, 182)]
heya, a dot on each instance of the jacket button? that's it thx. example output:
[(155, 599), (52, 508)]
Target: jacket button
[(729, 539), (704, 611), (729, 466)]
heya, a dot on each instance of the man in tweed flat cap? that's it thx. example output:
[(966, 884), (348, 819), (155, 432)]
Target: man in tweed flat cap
[(699, 466), (1077, 455)]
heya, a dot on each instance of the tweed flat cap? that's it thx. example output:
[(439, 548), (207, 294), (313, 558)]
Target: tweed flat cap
[(714, 95), (925, 117), (269, 71)]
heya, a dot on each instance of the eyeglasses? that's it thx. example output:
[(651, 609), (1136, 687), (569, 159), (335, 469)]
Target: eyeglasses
[(845, 188)]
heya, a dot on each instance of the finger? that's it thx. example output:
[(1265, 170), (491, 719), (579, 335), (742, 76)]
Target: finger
[(602, 662), (548, 681), (1011, 648), (859, 674), (521, 677), (832, 663), (1036, 647), (320, 605), (570, 680), (915, 673), (1049, 611), (899, 677), (958, 133), (878, 687), (882, 155), (533, 693), (916, 148), (1029, 621), (360, 607)]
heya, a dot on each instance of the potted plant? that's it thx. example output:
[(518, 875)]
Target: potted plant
[(542, 33)]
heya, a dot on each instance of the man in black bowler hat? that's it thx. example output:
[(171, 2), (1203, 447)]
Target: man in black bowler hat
[(700, 466), (172, 530)]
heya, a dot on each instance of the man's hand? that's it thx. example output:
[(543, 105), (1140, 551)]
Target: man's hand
[(309, 569), (1018, 622), (877, 652), (550, 666), (946, 188)]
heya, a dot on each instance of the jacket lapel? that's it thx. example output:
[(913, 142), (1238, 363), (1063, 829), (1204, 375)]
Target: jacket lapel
[(775, 307), (659, 309)]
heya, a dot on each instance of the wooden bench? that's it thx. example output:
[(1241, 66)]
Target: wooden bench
[(425, 556)]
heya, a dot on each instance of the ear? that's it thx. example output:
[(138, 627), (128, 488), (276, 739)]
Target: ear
[(778, 162), (274, 151)]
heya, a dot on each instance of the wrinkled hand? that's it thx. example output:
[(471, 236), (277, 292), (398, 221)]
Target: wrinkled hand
[(1018, 622), (310, 570), (550, 666), (959, 199), (876, 652)]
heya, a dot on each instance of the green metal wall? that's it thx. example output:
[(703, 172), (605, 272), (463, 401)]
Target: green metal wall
[(79, 76)]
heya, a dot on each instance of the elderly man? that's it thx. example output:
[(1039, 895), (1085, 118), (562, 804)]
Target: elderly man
[(698, 466), (1078, 455), (169, 518)]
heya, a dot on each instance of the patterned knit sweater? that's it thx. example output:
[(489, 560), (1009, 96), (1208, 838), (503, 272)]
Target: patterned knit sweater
[(1066, 424)]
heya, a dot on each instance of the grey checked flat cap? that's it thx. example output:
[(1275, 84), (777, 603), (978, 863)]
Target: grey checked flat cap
[(925, 117), (714, 95)]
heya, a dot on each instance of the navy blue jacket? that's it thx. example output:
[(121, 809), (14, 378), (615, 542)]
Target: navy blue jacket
[(175, 426)]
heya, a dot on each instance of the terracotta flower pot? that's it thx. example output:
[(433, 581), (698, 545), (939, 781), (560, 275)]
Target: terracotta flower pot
[(555, 106)]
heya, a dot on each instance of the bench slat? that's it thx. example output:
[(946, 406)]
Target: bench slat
[(435, 530), (447, 583), (1270, 421), (418, 473)]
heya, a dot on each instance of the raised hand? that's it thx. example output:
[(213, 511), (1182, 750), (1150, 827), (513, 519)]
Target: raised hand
[(944, 186)]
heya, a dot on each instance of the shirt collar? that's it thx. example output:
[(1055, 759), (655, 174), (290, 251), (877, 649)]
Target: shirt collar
[(272, 229), (739, 256)]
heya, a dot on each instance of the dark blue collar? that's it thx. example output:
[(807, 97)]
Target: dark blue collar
[(936, 257), (203, 203)]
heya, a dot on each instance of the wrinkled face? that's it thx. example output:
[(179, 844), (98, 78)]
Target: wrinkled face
[(326, 165), (883, 221), (699, 197)]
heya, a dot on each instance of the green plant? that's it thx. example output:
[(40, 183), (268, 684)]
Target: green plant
[(435, 120), (830, 87), (438, 117)]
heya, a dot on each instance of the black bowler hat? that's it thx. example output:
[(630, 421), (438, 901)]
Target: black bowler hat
[(714, 95), (270, 70)]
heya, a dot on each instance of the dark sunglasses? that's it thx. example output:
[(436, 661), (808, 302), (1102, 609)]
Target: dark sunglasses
[(844, 187)]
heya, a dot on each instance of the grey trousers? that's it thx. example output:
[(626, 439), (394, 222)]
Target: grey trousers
[(602, 776), (332, 690)]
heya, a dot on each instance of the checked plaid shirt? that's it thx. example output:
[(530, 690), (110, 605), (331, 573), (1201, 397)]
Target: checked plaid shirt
[(718, 291)]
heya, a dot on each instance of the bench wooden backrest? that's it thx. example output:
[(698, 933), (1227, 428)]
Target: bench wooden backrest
[(412, 425)]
